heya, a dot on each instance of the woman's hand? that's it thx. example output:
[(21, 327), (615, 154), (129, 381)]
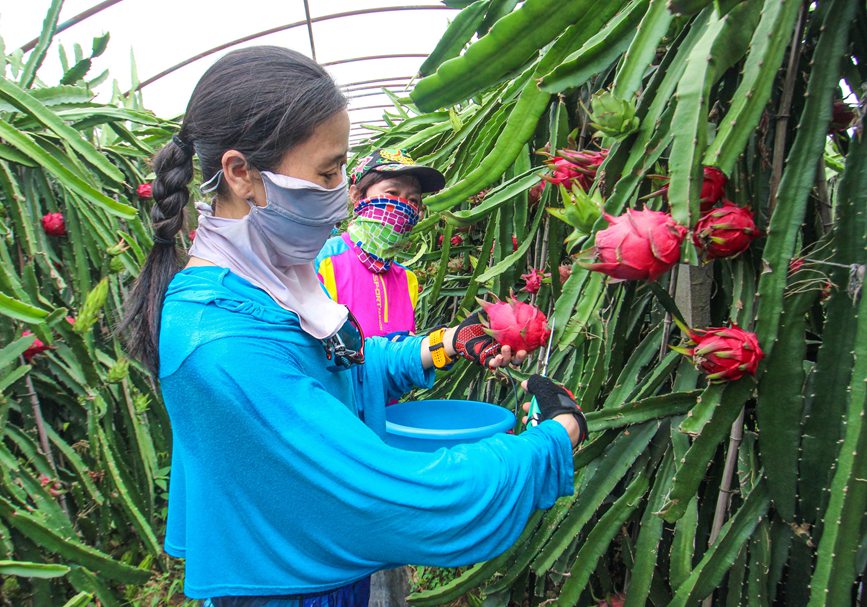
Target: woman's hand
[(470, 341), (473, 339), (557, 403), (504, 355)]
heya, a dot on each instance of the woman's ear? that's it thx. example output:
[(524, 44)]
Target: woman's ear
[(354, 194), (238, 175)]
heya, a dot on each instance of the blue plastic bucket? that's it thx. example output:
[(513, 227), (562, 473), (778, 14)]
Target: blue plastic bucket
[(427, 425)]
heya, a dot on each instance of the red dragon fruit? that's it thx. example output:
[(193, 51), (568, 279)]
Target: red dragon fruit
[(516, 324), (638, 245), (725, 232), (53, 224), (724, 353), (533, 280), (574, 166)]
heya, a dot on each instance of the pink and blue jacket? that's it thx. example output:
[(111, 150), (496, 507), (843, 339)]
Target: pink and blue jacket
[(383, 303)]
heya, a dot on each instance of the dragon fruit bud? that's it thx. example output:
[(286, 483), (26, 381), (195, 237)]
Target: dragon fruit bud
[(533, 280), (516, 324), (725, 353), (535, 193), (53, 224), (638, 245), (725, 232), (457, 240), (612, 116)]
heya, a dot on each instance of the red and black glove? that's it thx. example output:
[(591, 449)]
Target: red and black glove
[(472, 343), (555, 400)]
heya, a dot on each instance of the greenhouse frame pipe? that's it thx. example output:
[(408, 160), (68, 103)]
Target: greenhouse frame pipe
[(376, 80), (372, 107), (281, 28), (309, 29), (367, 87), (93, 10), (373, 57), (398, 87)]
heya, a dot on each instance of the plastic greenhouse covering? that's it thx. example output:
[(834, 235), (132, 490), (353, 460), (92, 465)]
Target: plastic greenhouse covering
[(167, 44)]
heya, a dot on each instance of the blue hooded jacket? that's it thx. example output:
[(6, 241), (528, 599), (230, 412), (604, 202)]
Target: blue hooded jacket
[(281, 482)]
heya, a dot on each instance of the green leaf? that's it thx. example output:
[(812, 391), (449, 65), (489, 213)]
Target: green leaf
[(33, 527), (36, 570), (31, 106), (9, 354), (509, 262), (24, 143), (654, 407), (82, 599), (37, 55), (19, 310), (100, 43)]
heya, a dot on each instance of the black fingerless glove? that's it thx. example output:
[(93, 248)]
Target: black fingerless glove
[(555, 400), (473, 343)]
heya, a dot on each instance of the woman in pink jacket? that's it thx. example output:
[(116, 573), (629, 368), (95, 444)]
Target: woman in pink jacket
[(357, 268)]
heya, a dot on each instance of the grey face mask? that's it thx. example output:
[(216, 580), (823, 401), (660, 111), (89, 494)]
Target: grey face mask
[(298, 217)]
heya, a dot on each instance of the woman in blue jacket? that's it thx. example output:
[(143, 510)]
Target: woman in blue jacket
[(282, 490)]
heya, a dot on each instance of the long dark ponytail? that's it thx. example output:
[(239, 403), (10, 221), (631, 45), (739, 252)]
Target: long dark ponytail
[(261, 101)]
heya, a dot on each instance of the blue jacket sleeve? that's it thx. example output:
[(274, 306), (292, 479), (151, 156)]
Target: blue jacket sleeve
[(391, 369), (286, 473)]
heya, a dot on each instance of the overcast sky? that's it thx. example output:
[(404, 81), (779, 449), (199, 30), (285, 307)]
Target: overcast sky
[(162, 33)]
